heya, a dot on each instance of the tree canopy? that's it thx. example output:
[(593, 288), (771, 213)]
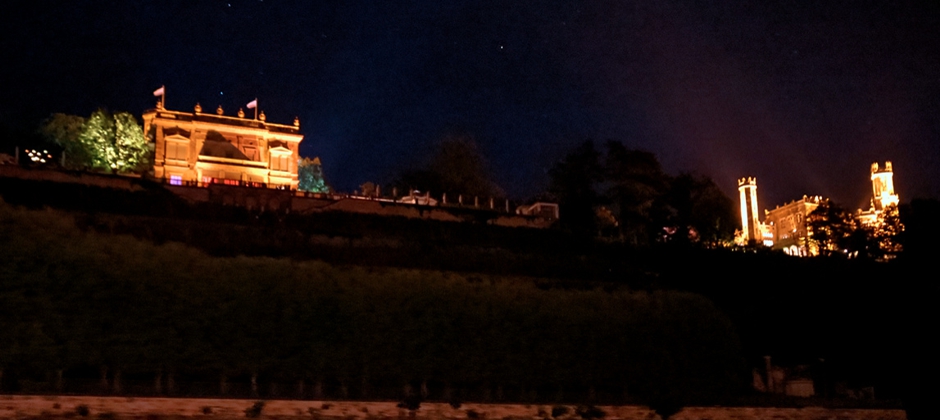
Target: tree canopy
[(456, 167), (836, 231), (700, 210), (78, 302), (103, 141), (64, 130), (575, 183), (624, 194), (310, 174)]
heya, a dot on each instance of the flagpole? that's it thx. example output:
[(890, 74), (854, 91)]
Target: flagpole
[(162, 94), (256, 108)]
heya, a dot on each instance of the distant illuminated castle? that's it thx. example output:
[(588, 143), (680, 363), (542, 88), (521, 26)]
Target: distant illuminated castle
[(785, 226)]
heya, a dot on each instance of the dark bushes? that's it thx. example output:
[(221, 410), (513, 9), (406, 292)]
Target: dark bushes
[(77, 302)]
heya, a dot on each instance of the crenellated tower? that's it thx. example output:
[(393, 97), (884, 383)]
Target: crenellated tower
[(750, 225), (882, 185)]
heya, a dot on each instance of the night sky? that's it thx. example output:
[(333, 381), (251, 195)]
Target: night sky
[(804, 95)]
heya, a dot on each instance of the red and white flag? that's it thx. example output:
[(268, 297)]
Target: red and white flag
[(159, 92), (252, 104)]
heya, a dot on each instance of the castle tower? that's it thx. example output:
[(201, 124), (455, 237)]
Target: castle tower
[(882, 185), (750, 226)]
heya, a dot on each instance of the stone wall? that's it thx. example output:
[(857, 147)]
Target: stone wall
[(120, 182), (281, 200), (23, 406), (305, 205)]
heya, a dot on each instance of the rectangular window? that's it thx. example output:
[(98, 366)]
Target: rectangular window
[(177, 150), (279, 162), (176, 180)]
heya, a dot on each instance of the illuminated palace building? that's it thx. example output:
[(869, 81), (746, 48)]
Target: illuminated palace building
[(194, 148), (785, 226)]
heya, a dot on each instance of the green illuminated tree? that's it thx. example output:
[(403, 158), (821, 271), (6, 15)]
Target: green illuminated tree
[(310, 173), (114, 142), (97, 137), (131, 150), (104, 141)]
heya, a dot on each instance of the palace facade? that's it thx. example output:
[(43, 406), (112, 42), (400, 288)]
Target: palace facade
[(195, 148)]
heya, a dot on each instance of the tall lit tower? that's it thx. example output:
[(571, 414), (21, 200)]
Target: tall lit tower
[(749, 223), (882, 185)]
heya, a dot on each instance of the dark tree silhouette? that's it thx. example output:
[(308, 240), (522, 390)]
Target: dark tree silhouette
[(456, 167), (462, 168), (836, 232), (624, 195), (636, 190), (574, 183), (700, 210)]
